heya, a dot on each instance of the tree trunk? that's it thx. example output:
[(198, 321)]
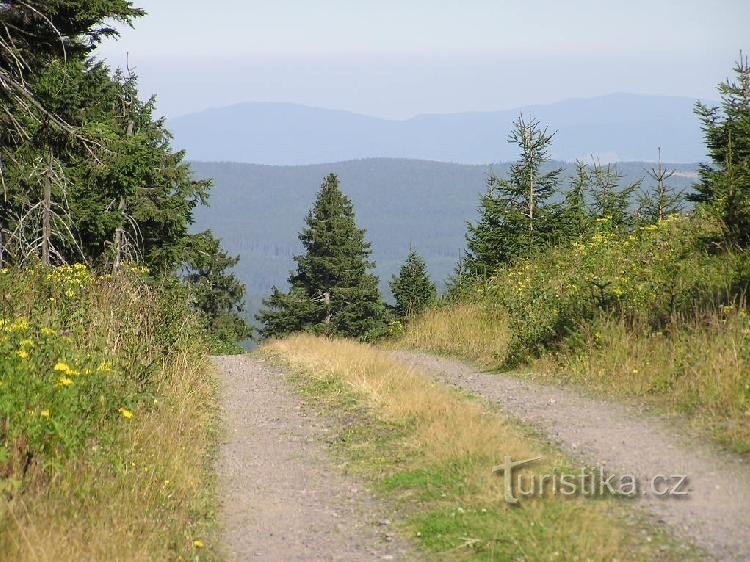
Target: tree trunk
[(46, 212), (120, 230)]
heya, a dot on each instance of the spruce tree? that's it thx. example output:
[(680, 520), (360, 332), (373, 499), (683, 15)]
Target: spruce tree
[(609, 199), (572, 218), (663, 200), (514, 213), (412, 288), (725, 183), (332, 291), (217, 294)]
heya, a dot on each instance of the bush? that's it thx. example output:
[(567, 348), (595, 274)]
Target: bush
[(649, 275), (80, 356)]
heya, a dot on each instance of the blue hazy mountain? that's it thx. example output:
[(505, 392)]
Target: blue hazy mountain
[(616, 127)]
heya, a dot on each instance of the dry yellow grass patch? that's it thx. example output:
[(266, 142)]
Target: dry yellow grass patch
[(699, 366), (152, 506), (448, 425), (445, 459), (476, 332)]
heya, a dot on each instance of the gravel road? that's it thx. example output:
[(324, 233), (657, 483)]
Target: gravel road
[(283, 499), (714, 515)]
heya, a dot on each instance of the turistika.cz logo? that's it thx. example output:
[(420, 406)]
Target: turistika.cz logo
[(589, 482)]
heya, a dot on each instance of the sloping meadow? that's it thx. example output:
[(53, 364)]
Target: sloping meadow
[(657, 315)]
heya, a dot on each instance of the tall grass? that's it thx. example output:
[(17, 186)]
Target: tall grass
[(698, 366), (472, 331), (431, 450), (112, 419)]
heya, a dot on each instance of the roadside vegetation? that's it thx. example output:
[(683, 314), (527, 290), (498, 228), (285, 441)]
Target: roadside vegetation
[(620, 292), (107, 418), (109, 304), (429, 450)]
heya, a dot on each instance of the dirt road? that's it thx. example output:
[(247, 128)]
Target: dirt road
[(716, 512), (283, 499)]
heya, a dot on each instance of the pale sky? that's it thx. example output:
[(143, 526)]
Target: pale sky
[(398, 58)]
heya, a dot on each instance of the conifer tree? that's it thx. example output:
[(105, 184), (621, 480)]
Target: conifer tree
[(572, 218), (725, 183), (514, 213), (332, 291), (664, 200), (610, 200), (412, 288), (216, 292), (86, 171)]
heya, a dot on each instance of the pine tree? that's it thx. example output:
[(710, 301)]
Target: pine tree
[(514, 213), (332, 291), (412, 288), (664, 200), (725, 183)]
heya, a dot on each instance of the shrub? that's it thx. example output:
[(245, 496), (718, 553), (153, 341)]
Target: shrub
[(649, 275), (79, 357)]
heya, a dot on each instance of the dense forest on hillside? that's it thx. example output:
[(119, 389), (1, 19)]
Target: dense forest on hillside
[(256, 210)]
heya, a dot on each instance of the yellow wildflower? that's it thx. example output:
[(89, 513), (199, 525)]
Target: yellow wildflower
[(19, 325), (197, 543), (44, 413), (48, 332), (127, 414), (104, 367), (62, 367), (64, 381), (22, 353)]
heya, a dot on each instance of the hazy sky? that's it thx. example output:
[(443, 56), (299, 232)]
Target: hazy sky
[(397, 58)]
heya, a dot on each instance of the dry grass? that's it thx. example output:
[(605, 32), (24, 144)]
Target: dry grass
[(699, 367), (439, 467), (151, 505), (474, 332)]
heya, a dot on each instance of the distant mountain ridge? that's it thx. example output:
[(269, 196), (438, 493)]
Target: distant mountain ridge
[(615, 127)]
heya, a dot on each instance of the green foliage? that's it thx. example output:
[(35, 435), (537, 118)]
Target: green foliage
[(79, 356), (610, 200), (332, 291), (87, 173), (649, 275), (515, 216), (216, 292), (412, 288), (725, 184), (664, 200)]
